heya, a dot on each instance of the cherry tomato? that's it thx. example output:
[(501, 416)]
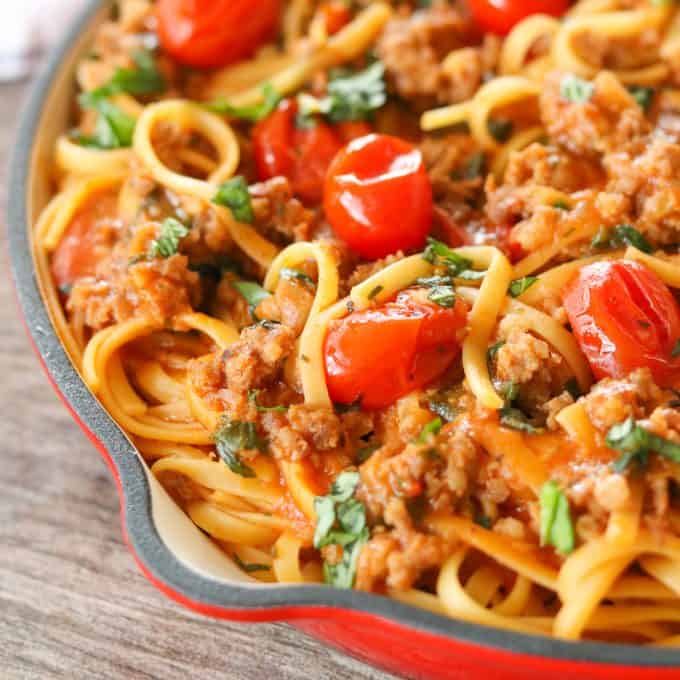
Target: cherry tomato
[(302, 154), (624, 317), (83, 246), (378, 197), (499, 16), (378, 355), (335, 15), (214, 33)]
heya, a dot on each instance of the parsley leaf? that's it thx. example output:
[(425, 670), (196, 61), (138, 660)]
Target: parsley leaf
[(252, 396), (642, 95), (444, 296), (500, 128), (432, 428), (575, 89), (437, 253), (145, 79), (270, 100), (114, 129), (349, 97), (514, 418), (557, 528), (233, 436), (620, 235), (167, 243), (249, 567), (234, 194), (520, 286), (253, 292), (297, 275), (636, 443), (341, 520)]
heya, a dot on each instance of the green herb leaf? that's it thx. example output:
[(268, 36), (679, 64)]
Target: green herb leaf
[(636, 443), (234, 194), (252, 396), (167, 243), (114, 129), (483, 521), (437, 252), (232, 437), (297, 275), (520, 286), (561, 205), (341, 520), (252, 292), (365, 452), (443, 409), (350, 97), (270, 100), (514, 418), (432, 428), (444, 296), (557, 528), (622, 234), (375, 292), (493, 350), (500, 128), (575, 89), (508, 390), (145, 79), (251, 567), (642, 95)]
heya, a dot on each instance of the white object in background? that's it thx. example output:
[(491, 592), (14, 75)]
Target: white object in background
[(27, 28)]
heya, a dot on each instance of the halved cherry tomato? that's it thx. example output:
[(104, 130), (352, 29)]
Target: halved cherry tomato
[(214, 33), (335, 15), (378, 197), (378, 355), (302, 154), (83, 246), (499, 16), (624, 317)]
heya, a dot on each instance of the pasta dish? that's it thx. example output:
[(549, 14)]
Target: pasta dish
[(387, 295)]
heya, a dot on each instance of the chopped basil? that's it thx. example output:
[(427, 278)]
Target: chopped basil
[(349, 97), (514, 418), (642, 95), (622, 234), (233, 436), (444, 296), (575, 89), (145, 79), (483, 521), (573, 388), (473, 168), (375, 292), (675, 352), (114, 129), (252, 396), (500, 128), (636, 443), (443, 409), (493, 350), (437, 253), (234, 194), (167, 243), (432, 428), (253, 292), (297, 275), (508, 390), (561, 205), (557, 529), (249, 567), (254, 113), (520, 286), (341, 520)]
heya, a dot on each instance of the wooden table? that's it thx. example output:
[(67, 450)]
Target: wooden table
[(72, 602)]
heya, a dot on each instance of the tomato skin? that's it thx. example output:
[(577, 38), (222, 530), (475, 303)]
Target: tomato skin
[(214, 33), (336, 15), (624, 317), (381, 354), (300, 154), (500, 16), (378, 196)]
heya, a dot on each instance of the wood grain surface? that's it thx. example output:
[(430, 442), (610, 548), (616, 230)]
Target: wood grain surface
[(72, 602)]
